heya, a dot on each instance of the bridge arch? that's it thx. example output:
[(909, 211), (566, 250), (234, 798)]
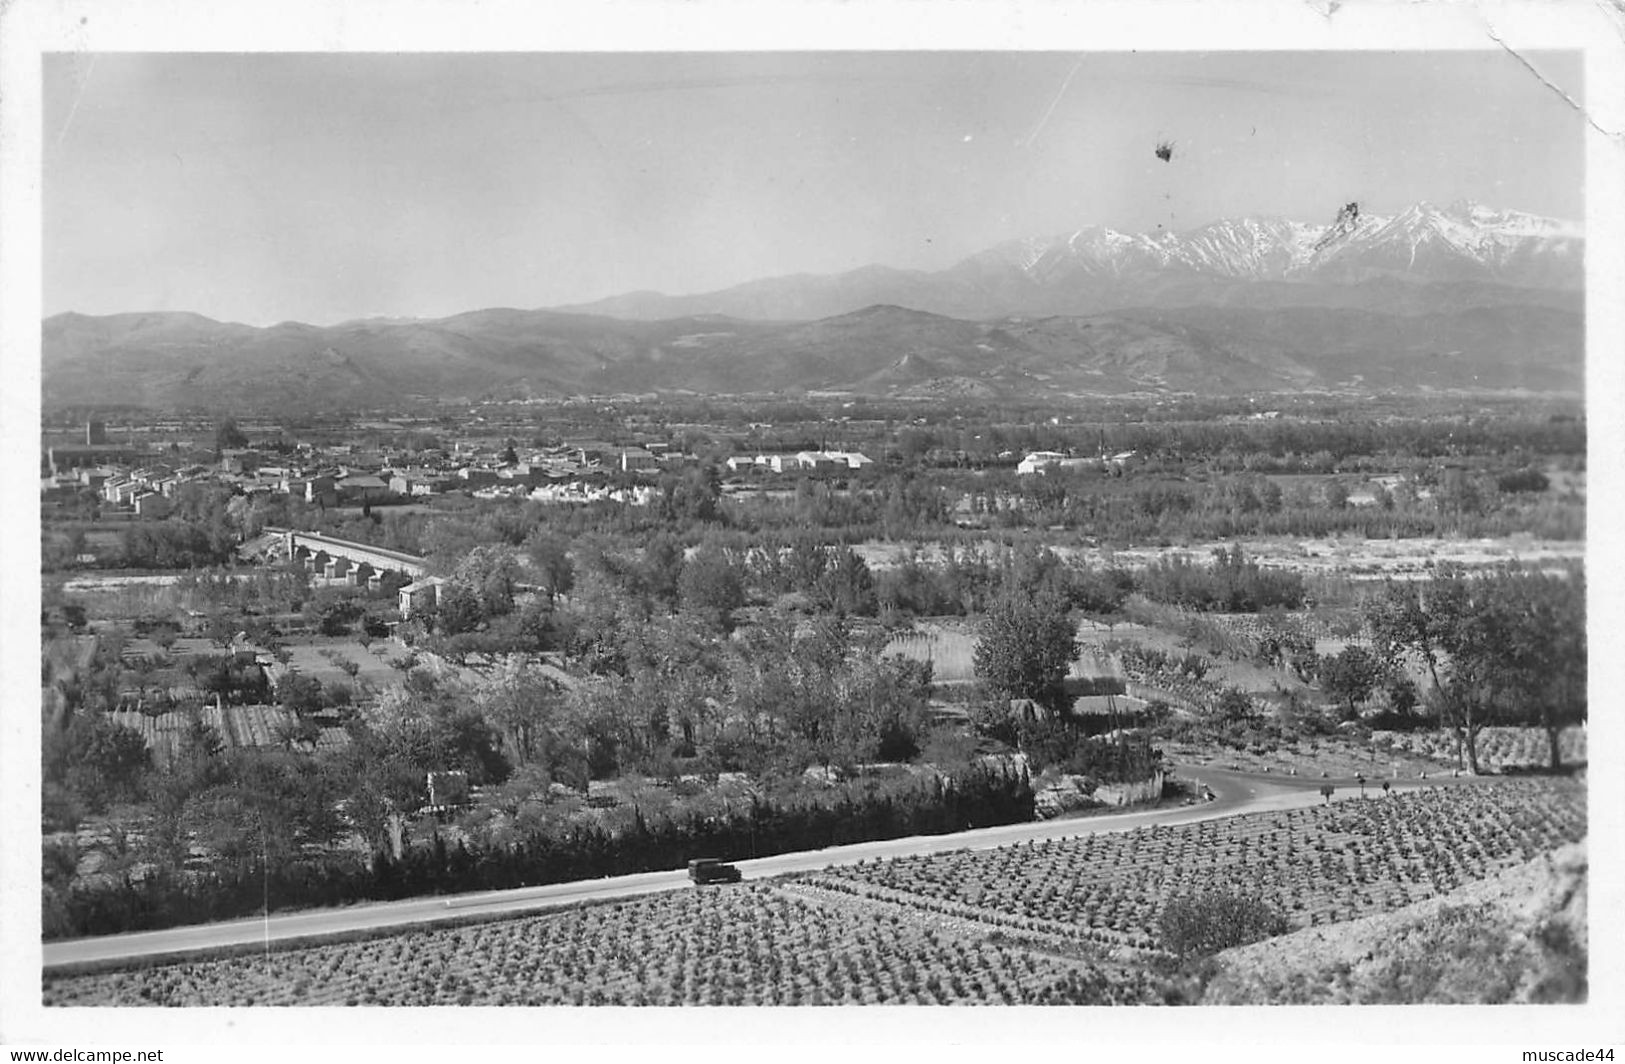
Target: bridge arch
[(358, 563)]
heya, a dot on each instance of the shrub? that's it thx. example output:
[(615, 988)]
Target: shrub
[(1199, 925), (1063, 745), (1523, 480)]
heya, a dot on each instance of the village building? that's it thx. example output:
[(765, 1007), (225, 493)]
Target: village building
[(321, 490), (353, 490), (1038, 461), (421, 594), (853, 459), (151, 505), (636, 460), (78, 456)]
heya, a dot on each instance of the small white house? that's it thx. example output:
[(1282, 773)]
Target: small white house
[(420, 594), (1038, 461), (853, 459)]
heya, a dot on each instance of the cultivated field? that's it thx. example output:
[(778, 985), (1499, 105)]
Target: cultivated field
[(1498, 748), (1317, 865), (237, 726), (1059, 922), (750, 945), (324, 659)]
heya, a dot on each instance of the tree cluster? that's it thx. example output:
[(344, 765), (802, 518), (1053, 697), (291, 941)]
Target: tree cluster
[(1501, 647), (265, 876)]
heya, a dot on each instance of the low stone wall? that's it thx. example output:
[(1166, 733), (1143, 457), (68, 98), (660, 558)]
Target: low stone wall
[(1130, 793), (1066, 793)]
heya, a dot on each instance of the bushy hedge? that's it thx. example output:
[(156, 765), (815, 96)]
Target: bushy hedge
[(1065, 745), (1232, 584), (1202, 924), (981, 796)]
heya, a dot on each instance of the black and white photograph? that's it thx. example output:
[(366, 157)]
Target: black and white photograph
[(1069, 511)]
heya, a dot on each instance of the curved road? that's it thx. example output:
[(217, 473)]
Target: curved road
[(1234, 793)]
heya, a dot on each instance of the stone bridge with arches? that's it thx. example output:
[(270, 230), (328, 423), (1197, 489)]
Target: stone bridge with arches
[(359, 564)]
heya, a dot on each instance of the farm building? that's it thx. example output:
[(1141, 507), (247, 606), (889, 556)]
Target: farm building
[(1038, 461), (321, 490), (362, 488), (420, 594), (636, 459), (853, 459)]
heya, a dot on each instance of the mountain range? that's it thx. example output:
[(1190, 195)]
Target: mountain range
[(1261, 262), (1463, 297)]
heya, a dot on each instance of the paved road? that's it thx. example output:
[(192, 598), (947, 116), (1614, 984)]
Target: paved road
[(1234, 793)]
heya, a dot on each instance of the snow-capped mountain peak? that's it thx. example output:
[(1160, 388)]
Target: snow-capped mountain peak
[(1423, 242)]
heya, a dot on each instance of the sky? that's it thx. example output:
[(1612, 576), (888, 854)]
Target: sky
[(324, 187)]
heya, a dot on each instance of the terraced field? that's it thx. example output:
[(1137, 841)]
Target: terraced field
[(1317, 865), (1059, 922)]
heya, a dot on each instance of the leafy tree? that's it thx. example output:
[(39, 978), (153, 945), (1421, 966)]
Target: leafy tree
[(1458, 495), (662, 566), (300, 733), (1401, 692), (385, 788), (523, 705), (197, 765), (98, 761), (602, 619), (268, 806), (694, 496), (458, 611), (332, 613), (1543, 661), (489, 571), (846, 586), (1497, 646), (1233, 583), (1235, 706), (173, 544), (423, 725), (1100, 592), (1350, 676), (1025, 649), (301, 694), (434, 724), (1035, 571), (678, 671), (1284, 644), (550, 557), (710, 584)]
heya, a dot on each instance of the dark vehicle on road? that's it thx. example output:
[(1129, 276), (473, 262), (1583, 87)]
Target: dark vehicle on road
[(704, 870)]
